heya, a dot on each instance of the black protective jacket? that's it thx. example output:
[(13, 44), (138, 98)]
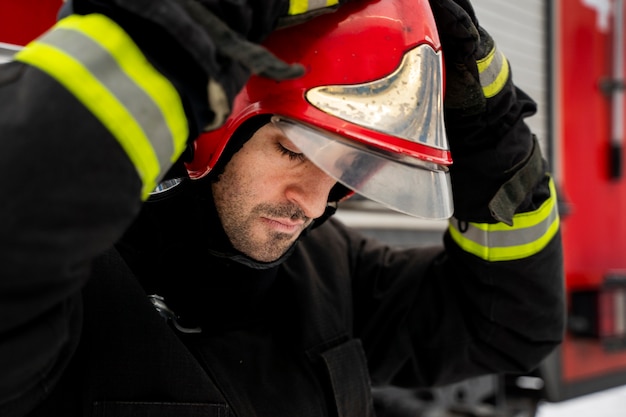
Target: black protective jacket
[(305, 337)]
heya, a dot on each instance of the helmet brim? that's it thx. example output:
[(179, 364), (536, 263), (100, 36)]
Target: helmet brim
[(408, 185)]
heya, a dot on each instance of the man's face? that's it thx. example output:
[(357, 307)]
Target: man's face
[(268, 194)]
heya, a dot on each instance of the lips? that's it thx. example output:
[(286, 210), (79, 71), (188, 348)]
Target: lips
[(285, 225)]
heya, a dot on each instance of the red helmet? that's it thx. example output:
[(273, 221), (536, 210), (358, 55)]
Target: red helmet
[(369, 109)]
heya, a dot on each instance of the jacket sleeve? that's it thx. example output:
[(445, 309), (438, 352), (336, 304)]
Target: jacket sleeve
[(88, 127), (491, 301), (89, 124)]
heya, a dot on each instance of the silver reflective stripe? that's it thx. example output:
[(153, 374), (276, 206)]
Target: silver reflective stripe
[(493, 71), (316, 4), (506, 238), (102, 66)]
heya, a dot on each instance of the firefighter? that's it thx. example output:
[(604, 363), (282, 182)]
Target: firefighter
[(171, 173)]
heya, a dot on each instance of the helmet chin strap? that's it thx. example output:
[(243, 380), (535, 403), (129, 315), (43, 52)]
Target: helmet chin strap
[(331, 208), (337, 194)]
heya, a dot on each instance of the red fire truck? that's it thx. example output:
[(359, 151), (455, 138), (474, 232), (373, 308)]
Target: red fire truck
[(568, 55)]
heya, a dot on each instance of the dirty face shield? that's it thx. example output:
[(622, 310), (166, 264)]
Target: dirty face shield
[(402, 183)]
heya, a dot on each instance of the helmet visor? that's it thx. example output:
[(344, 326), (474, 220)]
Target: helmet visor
[(402, 183)]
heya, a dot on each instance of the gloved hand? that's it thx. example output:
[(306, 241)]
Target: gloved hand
[(207, 42), (496, 159)]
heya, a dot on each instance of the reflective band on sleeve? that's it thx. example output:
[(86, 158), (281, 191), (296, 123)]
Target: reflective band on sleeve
[(303, 6), (493, 71), (101, 66), (530, 233)]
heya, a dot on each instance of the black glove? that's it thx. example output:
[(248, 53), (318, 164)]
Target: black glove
[(200, 43), (496, 159)]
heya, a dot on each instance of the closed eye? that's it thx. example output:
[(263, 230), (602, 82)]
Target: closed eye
[(293, 156)]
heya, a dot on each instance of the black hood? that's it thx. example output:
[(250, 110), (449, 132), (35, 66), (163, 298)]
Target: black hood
[(178, 250)]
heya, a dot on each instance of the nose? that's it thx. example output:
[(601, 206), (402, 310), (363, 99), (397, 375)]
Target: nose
[(309, 190)]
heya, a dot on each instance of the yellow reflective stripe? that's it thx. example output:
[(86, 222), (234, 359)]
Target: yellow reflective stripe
[(136, 66), (530, 233), (303, 6), (99, 101), (493, 71), (134, 101)]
